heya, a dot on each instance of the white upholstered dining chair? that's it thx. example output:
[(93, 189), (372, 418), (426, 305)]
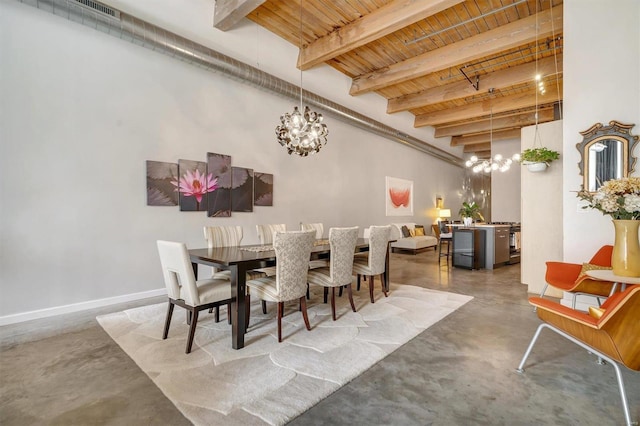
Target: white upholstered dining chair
[(339, 273), (293, 250), (231, 236), (223, 236), (318, 227), (375, 263), (183, 289), (265, 232), (265, 235)]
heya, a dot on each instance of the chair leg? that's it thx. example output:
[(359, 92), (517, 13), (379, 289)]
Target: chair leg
[(192, 330), (384, 285), (371, 282), (358, 283), (333, 303), (350, 294), (520, 368), (280, 309), (544, 289), (325, 294), (229, 312), (167, 322), (623, 395), (303, 304), (308, 294), (247, 311), (340, 291), (217, 314), (264, 307), (535, 308)]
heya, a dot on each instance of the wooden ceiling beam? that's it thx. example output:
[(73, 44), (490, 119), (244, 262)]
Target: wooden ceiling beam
[(497, 40), (479, 148), (485, 137), (500, 123), (386, 20), (461, 89), (227, 13), (498, 105)]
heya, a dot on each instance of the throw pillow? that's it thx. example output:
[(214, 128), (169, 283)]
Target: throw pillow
[(405, 231), (412, 232), (595, 312), (589, 267), (419, 231)]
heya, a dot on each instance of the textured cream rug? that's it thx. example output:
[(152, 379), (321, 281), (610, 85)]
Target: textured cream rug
[(268, 382)]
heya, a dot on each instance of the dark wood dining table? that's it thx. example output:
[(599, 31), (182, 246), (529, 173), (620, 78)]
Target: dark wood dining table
[(241, 259)]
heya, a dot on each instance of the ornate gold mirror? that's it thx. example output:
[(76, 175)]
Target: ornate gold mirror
[(606, 153)]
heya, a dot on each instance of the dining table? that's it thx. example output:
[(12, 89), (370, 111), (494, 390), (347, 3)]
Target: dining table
[(240, 259)]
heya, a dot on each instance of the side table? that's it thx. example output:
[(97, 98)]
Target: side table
[(608, 275)]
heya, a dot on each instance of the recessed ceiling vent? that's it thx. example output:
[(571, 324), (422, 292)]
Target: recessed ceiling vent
[(102, 9)]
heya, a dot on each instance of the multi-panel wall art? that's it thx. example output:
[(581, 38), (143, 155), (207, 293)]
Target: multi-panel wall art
[(262, 189), (160, 191), (220, 200), (193, 185), (213, 186), (241, 189)]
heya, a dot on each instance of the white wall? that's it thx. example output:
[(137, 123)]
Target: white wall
[(541, 196), (505, 186), (601, 83), (82, 111)]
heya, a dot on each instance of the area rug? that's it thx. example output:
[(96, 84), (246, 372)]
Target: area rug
[(268, 382)]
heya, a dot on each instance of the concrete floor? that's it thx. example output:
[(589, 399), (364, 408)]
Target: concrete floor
[(67, 371)]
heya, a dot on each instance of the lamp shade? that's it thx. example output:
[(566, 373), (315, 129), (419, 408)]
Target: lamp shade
[(445, 212)]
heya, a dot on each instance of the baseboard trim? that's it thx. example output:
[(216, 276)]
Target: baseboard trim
[(76, 307)]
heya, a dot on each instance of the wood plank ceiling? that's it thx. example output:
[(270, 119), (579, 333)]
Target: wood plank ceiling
[(467, 68)]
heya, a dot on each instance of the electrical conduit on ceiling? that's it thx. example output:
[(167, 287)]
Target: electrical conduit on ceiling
[(121, 25)]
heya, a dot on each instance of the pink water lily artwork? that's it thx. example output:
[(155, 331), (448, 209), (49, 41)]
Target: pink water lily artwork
[(219, 165), (194, 184)]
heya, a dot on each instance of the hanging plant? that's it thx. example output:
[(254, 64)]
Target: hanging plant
[(538, 159)]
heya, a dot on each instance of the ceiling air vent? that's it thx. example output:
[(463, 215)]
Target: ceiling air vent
[(102, 9)]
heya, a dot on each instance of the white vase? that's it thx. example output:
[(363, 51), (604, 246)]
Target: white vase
[(536, 167), (467, 221)]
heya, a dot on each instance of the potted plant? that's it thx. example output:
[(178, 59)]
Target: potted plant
[(469, 212), (538, 159)]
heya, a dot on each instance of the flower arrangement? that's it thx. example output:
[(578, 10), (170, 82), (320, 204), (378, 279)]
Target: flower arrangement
[(618, 198), (539, 155)]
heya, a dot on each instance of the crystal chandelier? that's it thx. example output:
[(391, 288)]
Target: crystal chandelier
[(495, 163), (302, 133)]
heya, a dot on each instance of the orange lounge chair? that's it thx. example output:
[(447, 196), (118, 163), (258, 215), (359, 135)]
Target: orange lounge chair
[(568, 277), (614, 336)]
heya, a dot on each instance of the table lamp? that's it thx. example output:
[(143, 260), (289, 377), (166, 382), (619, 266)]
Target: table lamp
[(445, 213)]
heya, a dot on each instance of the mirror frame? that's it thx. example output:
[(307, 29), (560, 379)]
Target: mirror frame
[(615, 130)]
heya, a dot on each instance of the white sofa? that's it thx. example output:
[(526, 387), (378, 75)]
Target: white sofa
[(413, 244)]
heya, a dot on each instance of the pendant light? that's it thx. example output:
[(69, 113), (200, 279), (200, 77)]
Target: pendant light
[(497, 163), (302, 133)]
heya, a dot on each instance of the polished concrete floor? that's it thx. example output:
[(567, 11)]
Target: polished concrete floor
[(67, 371)]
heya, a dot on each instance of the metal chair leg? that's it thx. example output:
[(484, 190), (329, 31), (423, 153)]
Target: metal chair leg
[(623, 394)]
